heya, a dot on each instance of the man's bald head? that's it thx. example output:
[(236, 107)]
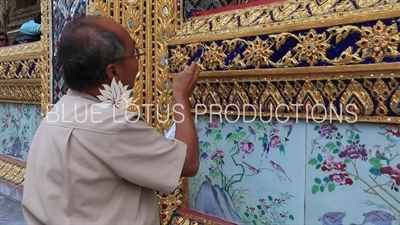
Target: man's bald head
[(87, 46)]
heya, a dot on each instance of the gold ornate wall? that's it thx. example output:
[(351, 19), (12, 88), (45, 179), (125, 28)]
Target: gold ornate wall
[(313, 54), (25, 78)]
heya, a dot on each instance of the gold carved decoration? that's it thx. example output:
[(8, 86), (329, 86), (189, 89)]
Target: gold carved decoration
[(280, 17), (208, 94), (21, 91), (131, 15), (358, 97), (25, 79), (395, 102), (348, 98), (270, 100), (165, 16), (183, 218), (376, 42), (309, 97), (12, 172), (238, 98), (21, 52)]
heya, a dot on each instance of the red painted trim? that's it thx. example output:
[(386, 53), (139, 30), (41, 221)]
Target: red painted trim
[(203, 216), (233, 7)]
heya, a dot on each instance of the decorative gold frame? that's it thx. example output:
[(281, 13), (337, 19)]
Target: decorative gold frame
[(25, 88), (233, 28)]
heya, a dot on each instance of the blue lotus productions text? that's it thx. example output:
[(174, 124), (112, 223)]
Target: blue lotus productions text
[(247, 113)]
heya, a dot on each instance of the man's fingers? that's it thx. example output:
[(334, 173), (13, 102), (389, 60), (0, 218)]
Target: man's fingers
[(193, 66)]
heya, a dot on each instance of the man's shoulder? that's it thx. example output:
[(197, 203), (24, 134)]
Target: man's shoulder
[(85, 114)]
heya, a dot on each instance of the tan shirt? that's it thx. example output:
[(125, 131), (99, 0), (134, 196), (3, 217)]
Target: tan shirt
[(101, 170)]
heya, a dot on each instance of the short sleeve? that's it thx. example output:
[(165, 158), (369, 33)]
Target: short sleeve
[(143, 156), (30, 28)]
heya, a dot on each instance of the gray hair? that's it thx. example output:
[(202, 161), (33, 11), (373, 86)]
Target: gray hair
[(86, 49)]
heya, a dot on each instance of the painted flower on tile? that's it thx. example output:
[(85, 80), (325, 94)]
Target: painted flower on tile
[(332, 163), (270, 210), (275, 142), (392, 172), (344, 152), (246, 147), (354, 151), (218, 154), (394, 129), (341, 179), (327, 130), (18, 124), (379, 41), (229, 160), (214, 123)]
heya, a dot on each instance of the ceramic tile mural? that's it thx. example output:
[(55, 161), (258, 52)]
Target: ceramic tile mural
[(353, 174), (63, 12), (18, 125), (297, 173), (251, 173)]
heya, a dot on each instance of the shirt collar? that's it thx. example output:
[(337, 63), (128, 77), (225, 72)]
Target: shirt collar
[(80, 94)]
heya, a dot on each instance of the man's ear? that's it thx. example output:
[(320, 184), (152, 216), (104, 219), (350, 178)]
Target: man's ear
[(111, 71)]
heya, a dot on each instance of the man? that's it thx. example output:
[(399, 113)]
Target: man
[(32, 27), (90, 165), (30, 30), (3, 39)]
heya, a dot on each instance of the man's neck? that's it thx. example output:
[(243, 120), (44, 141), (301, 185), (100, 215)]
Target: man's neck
[(94, 91)]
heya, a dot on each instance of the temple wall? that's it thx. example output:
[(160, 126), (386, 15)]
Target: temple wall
[(319, 54), (237, 181), (24, 93)]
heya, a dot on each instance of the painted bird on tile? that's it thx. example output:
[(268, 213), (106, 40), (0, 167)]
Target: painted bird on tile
[(387, 153), (325, 151), (252, 168), (353, 127), (392, 138), (332, 218), (279, 169), (288, 128), (251, 130), (314, 145), (375, 152), (377, 217)]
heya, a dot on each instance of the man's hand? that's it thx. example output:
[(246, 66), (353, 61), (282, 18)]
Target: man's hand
[(182, 87), (184, 82)]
